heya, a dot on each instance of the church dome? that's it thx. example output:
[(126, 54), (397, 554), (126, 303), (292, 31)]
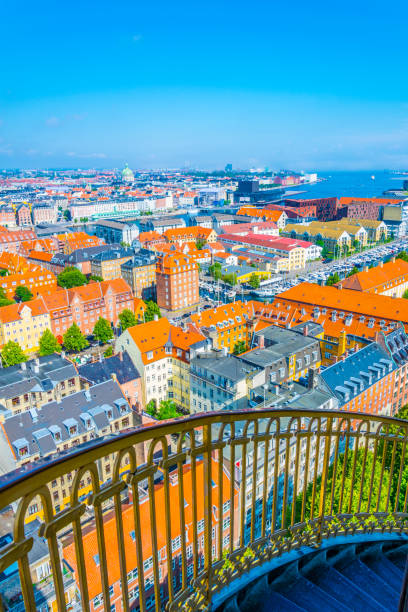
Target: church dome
[(127, 174)]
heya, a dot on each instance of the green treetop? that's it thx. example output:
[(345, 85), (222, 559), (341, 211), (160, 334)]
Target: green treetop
[(23, 294), (127, 319), (49, 343), (12, 354), (74, 340), (151, 310), (102, 330), (71, 277), (254, 281)]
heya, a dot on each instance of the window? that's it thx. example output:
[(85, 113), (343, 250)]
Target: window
[(200, 526), (98, 600), (148, 564), (176, 543)]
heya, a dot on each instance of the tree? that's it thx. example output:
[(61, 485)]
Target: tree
[(49, 344), (167, 410), (95, 277), (127, 319), (239, 347), (3, 272), (405, 294), (23, 294), (230, 279), (4, 301), (71, 277), (67, 215), (355, 270), (333, 279), (152, 309), (254, 281), (74, 339), (108, 352), (403, 255), (215, 270), (151, 408), (349, 491), (102, 330), (12, 354), (200, 244)]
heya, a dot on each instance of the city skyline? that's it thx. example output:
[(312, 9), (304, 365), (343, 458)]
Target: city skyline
[(175, 86)]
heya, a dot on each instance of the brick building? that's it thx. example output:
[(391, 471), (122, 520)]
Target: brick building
[(324, 209), (177, 282)]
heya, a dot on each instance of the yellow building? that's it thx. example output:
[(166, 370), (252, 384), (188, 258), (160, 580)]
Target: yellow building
[(24, 323), (330, 237), (226, 325)]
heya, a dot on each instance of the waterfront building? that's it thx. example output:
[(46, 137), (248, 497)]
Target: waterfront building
[(177, 282)]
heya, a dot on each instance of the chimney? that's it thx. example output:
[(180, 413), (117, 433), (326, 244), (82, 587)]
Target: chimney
[(311, 380), (392, 260), (23, 365), (339, 285), (121, 355), (156, 317), (380, 265), (306, 330), (261, 341), (365, 269)]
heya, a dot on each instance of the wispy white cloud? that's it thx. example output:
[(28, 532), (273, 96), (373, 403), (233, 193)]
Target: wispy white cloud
[(86, 155), (52, 121)]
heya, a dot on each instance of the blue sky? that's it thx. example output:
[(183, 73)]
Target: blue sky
[(302, 84)]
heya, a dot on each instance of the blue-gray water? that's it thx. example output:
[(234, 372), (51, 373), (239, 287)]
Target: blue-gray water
[(358, 184)]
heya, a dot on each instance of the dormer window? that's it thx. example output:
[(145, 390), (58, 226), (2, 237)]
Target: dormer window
[(23, 451), (73, 430)]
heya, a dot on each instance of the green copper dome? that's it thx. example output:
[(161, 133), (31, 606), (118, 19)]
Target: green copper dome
[(127, 173)]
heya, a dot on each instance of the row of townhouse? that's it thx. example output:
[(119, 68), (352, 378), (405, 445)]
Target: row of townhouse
[(26, 322)]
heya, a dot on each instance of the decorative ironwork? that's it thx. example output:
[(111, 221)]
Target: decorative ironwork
[(272, 480)]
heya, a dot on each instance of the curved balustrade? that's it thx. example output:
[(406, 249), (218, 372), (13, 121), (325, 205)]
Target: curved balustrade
[(195, 502)]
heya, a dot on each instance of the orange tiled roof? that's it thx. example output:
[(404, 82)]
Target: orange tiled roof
[(395, 272), (226, 313), (11, 313), (347, 300)]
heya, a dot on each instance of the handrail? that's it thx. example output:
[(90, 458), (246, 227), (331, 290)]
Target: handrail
[(259, 482)]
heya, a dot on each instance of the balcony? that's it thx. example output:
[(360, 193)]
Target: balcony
[(176, 527)]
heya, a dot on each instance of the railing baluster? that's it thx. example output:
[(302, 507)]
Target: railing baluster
[(275, 478), (232, 490), (208, 509), (400, 473), (362, 478), (335, 463), (316, 469), (265, 489), (254, 480), (325, 471), (382, 469)]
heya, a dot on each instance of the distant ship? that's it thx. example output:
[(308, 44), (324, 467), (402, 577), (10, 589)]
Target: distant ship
[(372, 177)]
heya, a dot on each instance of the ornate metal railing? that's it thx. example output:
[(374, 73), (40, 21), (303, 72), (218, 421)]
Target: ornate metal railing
[(194, 503)]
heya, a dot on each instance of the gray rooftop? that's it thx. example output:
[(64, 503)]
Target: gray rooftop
[(42, 429), (227, 366), (286, 341), (121, 365), (81, 255), (41, 374)]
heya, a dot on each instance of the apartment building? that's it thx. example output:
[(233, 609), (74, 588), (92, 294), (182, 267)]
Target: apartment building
[(31, 384), (395, 343), (177, 282), (325, 209), (10, 240), (268, 228), (190, 234), (69, 242), (285, 354), (375, 311), (294, 252), (149, 240), (278, 217), (221, 382), (331, 238), (107, 264), (162, 353), (58, 426), (35, 278), (23, 214), (81, 258), (44, 214), (220, 521), (119, 367), (140, 274), (84, 305), (24, 323), (225, 325), (389, 278), (363, 381)]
